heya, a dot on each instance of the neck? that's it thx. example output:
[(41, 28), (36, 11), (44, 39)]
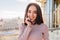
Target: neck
[(33, 22)]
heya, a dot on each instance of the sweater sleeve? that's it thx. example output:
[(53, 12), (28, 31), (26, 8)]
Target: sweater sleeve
[(24, 33), (45, 33)]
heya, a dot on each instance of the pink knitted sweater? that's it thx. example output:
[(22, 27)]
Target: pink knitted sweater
[(37, 32)]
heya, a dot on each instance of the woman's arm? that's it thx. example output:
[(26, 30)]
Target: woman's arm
[(21, 29), (45, 33), (24, 34)]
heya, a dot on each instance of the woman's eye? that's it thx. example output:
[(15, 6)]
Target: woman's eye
[(29, 11), (35, 12)]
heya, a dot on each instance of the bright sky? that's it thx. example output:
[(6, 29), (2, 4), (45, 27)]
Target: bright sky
[(13, 8)]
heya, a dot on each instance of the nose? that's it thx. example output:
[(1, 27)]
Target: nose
[(31, 14)]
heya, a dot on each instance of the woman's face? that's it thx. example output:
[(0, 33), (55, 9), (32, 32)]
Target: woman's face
[(32, 12)]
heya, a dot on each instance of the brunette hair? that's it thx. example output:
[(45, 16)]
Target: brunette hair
[(39, 18)]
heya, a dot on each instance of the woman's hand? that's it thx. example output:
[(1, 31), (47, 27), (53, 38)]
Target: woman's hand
[(28, 22)]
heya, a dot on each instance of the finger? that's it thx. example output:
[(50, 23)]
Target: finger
[(27, 19)]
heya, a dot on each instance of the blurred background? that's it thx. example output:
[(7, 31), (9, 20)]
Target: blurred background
[(12, 14)]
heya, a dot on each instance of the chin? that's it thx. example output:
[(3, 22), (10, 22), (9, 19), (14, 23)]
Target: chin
[(32, 20)]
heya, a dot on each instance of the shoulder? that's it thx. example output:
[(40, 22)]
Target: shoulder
[(43, 26), (21, 25)]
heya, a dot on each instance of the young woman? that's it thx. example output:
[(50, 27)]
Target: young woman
[(33, 27)]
